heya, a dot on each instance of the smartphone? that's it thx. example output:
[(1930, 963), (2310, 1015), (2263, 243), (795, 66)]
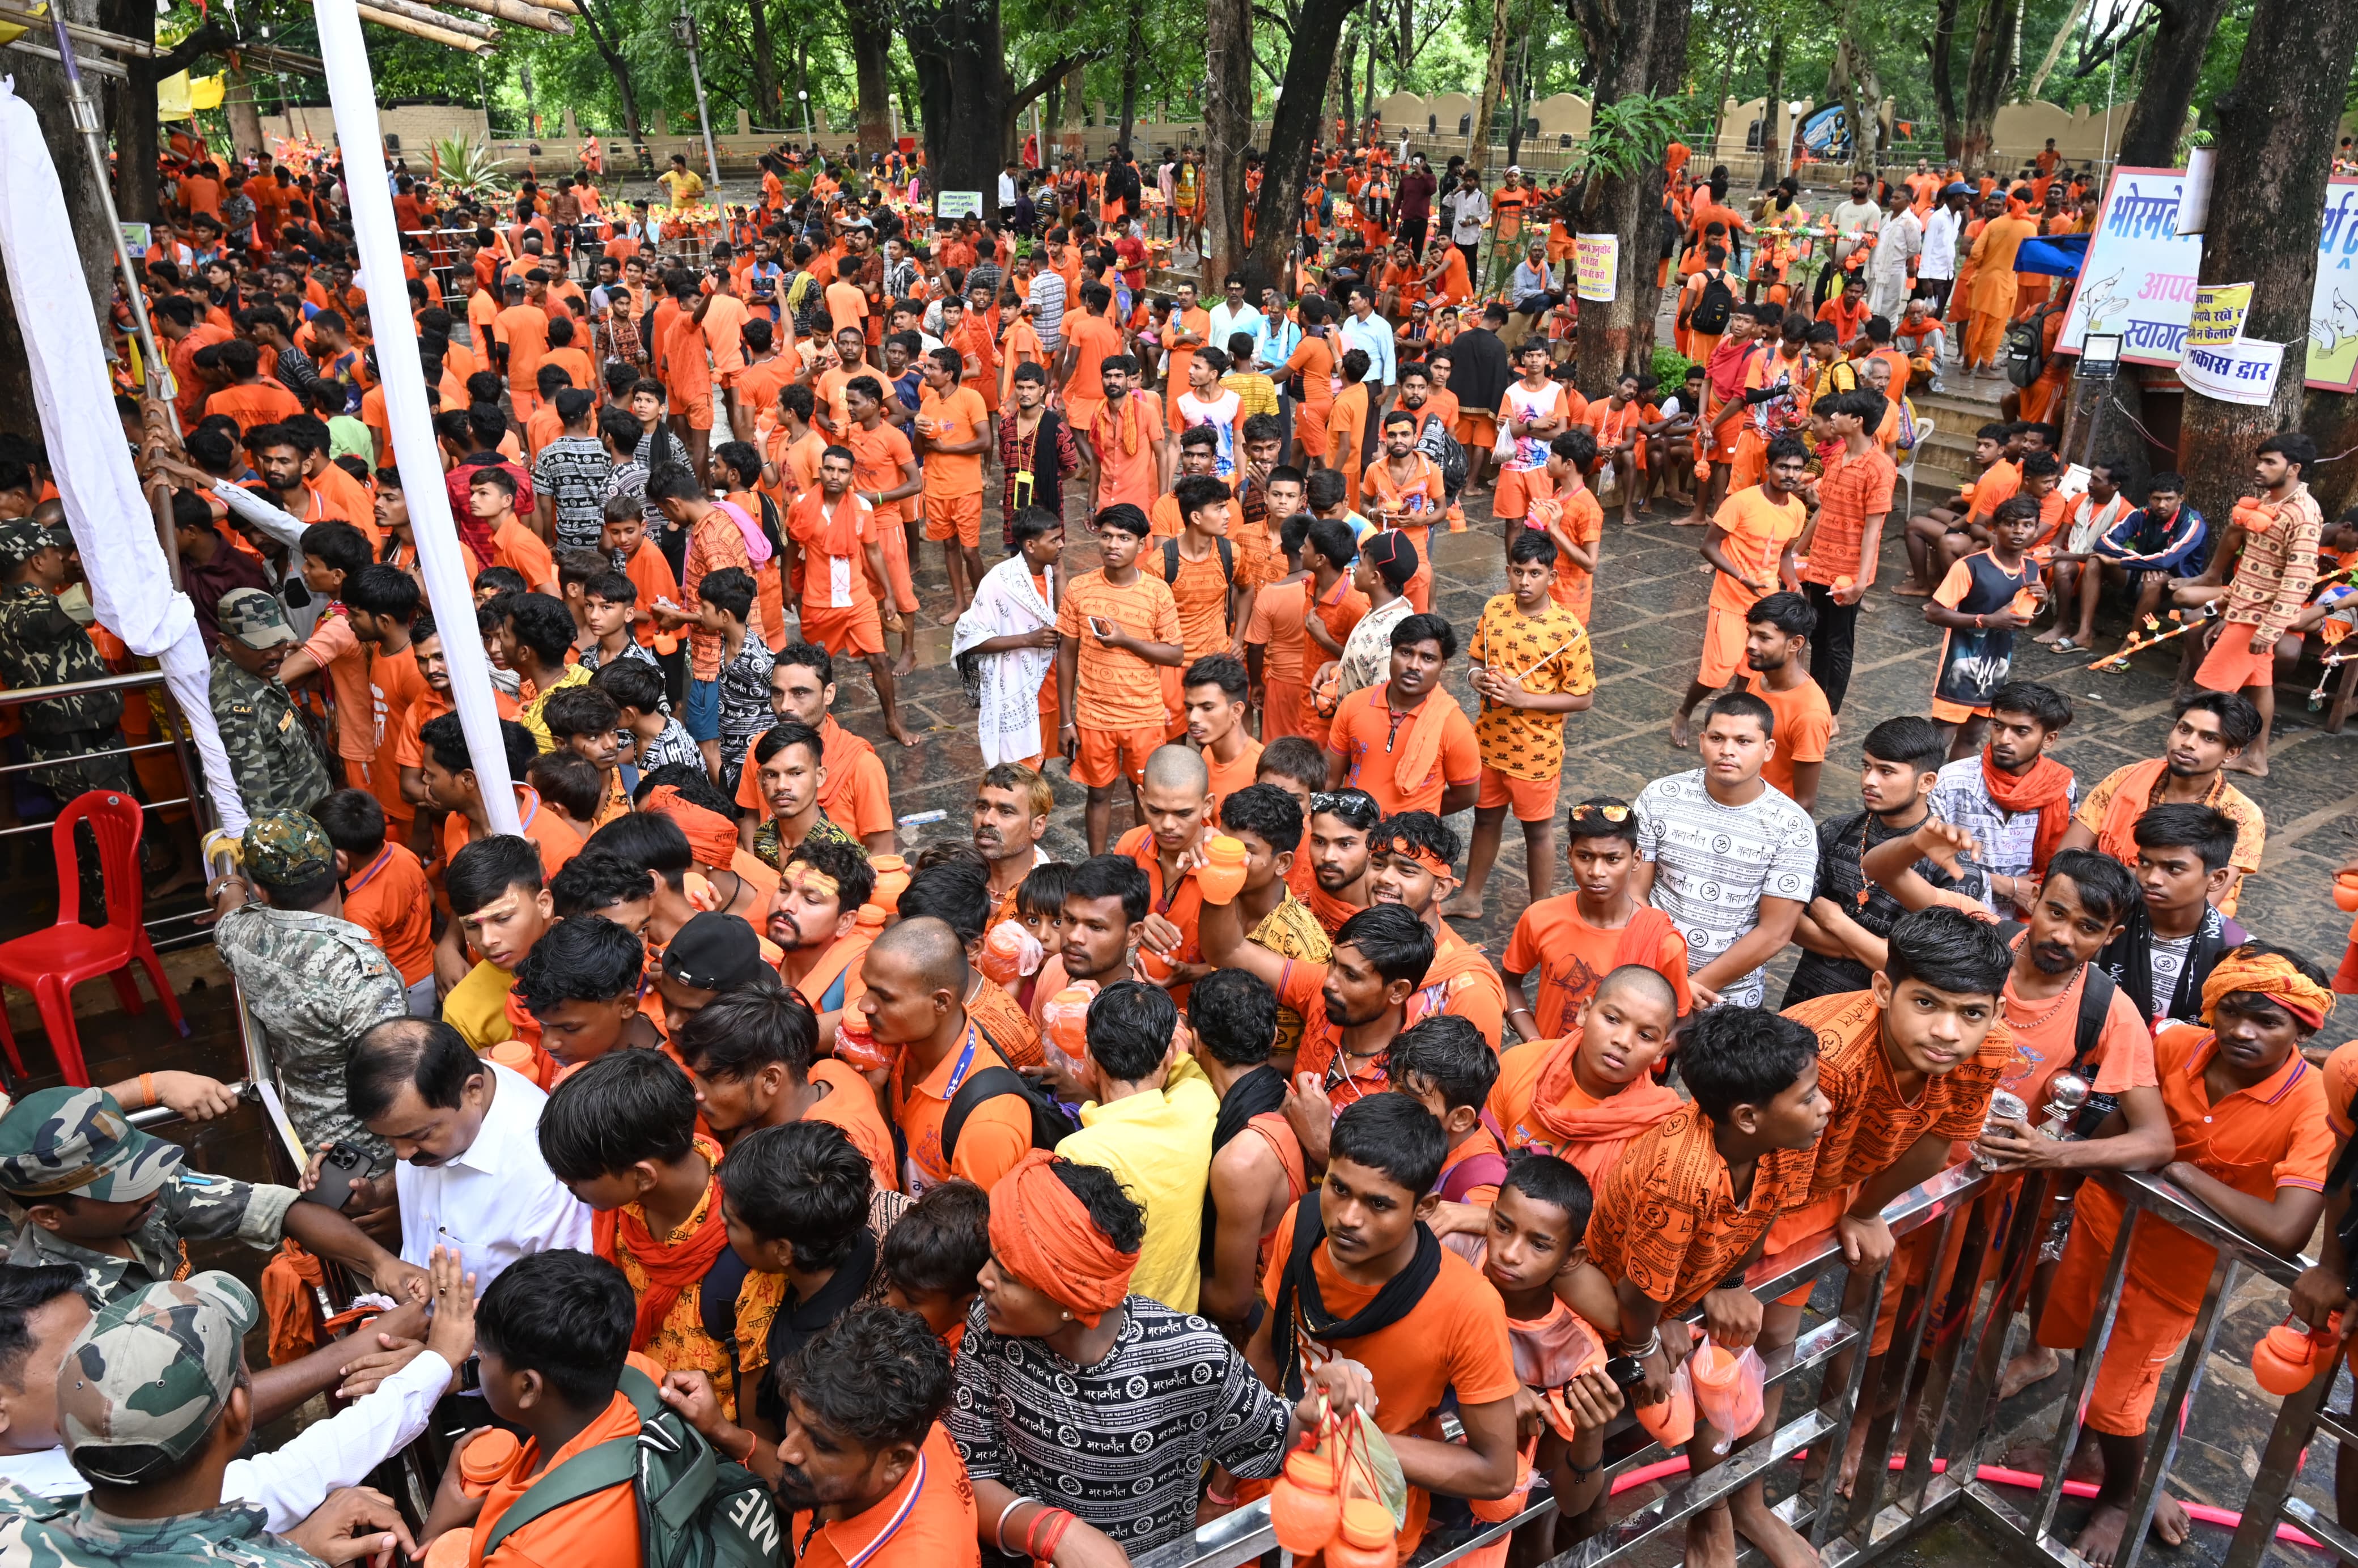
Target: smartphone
[(344, 1168), (1102, 627)]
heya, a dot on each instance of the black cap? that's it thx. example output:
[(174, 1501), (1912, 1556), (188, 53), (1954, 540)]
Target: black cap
[(713, 952)]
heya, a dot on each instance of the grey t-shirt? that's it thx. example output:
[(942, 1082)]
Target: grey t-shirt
[(1715, 864)]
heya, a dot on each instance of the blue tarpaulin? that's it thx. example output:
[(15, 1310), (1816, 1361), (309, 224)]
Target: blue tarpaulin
[(2058, 255)]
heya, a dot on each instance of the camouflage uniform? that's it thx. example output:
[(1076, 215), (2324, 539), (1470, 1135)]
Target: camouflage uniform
[(277, 765), (150, 1375), (40, 644), (78, 1141), (313, 982)]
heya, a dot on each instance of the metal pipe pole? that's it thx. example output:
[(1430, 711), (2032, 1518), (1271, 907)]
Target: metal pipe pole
[(703, 112), (86, 125)]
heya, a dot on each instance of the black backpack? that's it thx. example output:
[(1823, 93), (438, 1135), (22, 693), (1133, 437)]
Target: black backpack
[(1051, 1124), (1713, 306), (1435, 442), (2026, 354), (1171, 565)]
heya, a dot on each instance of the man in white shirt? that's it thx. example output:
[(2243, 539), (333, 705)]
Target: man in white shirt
[(1902, 243), (1235, 313), (1852, 221), (1468, 212), (1007, 189), (1936, 268), (466, 1132), (1363, 329), (43, 1308)]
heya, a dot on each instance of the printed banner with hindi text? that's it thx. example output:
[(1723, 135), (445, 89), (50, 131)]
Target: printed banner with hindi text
[(2139, 279)]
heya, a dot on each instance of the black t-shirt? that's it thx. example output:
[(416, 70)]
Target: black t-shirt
[(1840, 849)]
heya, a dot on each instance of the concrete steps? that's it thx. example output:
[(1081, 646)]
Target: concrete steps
[(1946, 460)]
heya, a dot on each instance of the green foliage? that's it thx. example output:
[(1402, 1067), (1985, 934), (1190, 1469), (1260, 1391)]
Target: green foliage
[(465, 168), (1629, 134), (1670, 371)]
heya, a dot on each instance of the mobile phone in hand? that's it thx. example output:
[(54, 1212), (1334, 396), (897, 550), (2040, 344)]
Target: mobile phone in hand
[(344, 1168)]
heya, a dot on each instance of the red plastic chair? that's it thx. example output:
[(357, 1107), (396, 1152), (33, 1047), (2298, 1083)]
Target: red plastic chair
[(51, 963)]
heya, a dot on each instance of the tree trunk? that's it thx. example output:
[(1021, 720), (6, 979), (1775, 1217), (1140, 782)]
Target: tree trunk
[(130, 109), (607, 42), (1986, 77), (42, 84), (1494, 78), (1942, 49), (1407, 56), (2275, 131), (1133, 50), (241, 102), (1772, 121), (1374, 31), (2173, 67), (962, 84), (869, 35), (1635, 50), (1292, 128), (766, 65), (2055, 48), (1227, 131)]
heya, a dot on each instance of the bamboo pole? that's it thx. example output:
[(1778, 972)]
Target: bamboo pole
[(521, 14), (431, 34), (430, 17)]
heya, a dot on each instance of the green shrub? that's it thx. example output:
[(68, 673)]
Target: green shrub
[(1669, 371)]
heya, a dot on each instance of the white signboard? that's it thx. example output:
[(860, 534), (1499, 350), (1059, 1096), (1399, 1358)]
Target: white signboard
[(958, 204), (2243, 372), (2140, 277)]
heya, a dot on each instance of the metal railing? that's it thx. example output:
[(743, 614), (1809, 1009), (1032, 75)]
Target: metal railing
[(1932, 1414), (163, 930)]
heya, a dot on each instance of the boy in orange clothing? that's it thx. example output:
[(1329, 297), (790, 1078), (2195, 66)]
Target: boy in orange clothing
[(385, 893), (1444, 1064), (1750, 546), (952, 430), (1570, 940), (553, 1337), (1116, 625), (1586, 1097), (752, 1056)]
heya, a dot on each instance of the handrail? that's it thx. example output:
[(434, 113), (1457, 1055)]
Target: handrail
[(2171, 1203)]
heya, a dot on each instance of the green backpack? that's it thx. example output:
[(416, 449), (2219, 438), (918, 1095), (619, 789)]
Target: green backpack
[(695, 1508)]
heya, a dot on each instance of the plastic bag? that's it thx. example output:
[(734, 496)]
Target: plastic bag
[(1371, 1468), (1010, 953), (1728, 1386)]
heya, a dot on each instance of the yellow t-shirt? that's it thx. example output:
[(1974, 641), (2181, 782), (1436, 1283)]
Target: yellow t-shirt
[(1550, 653), (529, 716), (476, 1006), (1159, 1145), (686, 187)]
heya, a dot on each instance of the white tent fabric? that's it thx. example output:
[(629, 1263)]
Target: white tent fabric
[(352, 93), (114, 526)]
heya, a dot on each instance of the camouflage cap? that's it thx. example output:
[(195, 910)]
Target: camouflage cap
[(73, 1140), (22, 538), (255, 618), (152, 1371), (287, 848)]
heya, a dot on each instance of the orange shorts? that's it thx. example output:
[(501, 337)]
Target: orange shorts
[(1309, 429), (858, 630), (1511, 503), (896, 542), (1280, 709), (1723, 647), (1108, 755), (1080, 413), (696, 411), (958, 516), (1724, 440), (1947, 712), (1533, 799), (1477, 427), (2230, 665), (2146, 1332)]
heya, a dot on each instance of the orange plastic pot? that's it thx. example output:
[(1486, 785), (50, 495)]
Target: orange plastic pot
[(1066, 1015), (1671, 1422), (1366, 1539), (1304, 1510), (1222, 875), (856, 1045), (2345, 891), (892, 880), (2284, 1360)]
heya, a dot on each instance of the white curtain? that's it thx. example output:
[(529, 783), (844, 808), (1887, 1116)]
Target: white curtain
[(114, 526)]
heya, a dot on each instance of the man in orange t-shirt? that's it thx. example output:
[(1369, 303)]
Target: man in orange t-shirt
[(1750, 547), (520, 330), (1776, 634), (953, 430), (1405, 740), (1117, 628), (900, 1495), (1090, 339), (1191, 329), (385, 891), (1128, 447)]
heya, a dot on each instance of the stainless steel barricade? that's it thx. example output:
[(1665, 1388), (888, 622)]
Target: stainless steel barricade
[(1931, 1413)]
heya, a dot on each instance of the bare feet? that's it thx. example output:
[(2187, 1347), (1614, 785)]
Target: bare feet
[(1910, 591), (1464, 906), (1853, 1452), (907, 661), (1711, 1539), (2035, 1365), (2257, 767), (1779, 1542), (1681, 729), (2053, 634), (899, 731), (1692, 520), (2100, 1540)]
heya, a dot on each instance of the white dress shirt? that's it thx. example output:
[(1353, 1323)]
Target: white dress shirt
[(1244, 319), (498, 1201), (1006, 188), (1469, 211), (1939, 259), (291, 1481), (1374, 335)]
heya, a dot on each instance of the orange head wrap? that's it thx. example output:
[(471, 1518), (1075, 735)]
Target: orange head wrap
[(1043, 1235), (2270, 976), (712, 837)]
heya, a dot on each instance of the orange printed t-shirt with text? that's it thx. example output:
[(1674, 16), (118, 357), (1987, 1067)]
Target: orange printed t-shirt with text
[(1115, 689)]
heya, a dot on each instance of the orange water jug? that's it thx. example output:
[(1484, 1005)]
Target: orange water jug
[(1305, 1508), (2287, 1359), (892, 879), (1671, 1422), (2345, 891), (1366, 1539), (516, 1055), (1222, 875), (1066, 1014), (856, 1045), (1010, 953)]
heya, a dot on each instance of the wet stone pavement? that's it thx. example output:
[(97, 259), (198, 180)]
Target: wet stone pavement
[(1650, 602)]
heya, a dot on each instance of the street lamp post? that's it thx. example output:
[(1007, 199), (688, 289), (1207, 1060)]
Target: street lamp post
[(682, 27), (804, 94)]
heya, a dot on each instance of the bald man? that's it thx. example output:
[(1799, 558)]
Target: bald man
[(1176, 797), (915, 1001), (1602, 1092)]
